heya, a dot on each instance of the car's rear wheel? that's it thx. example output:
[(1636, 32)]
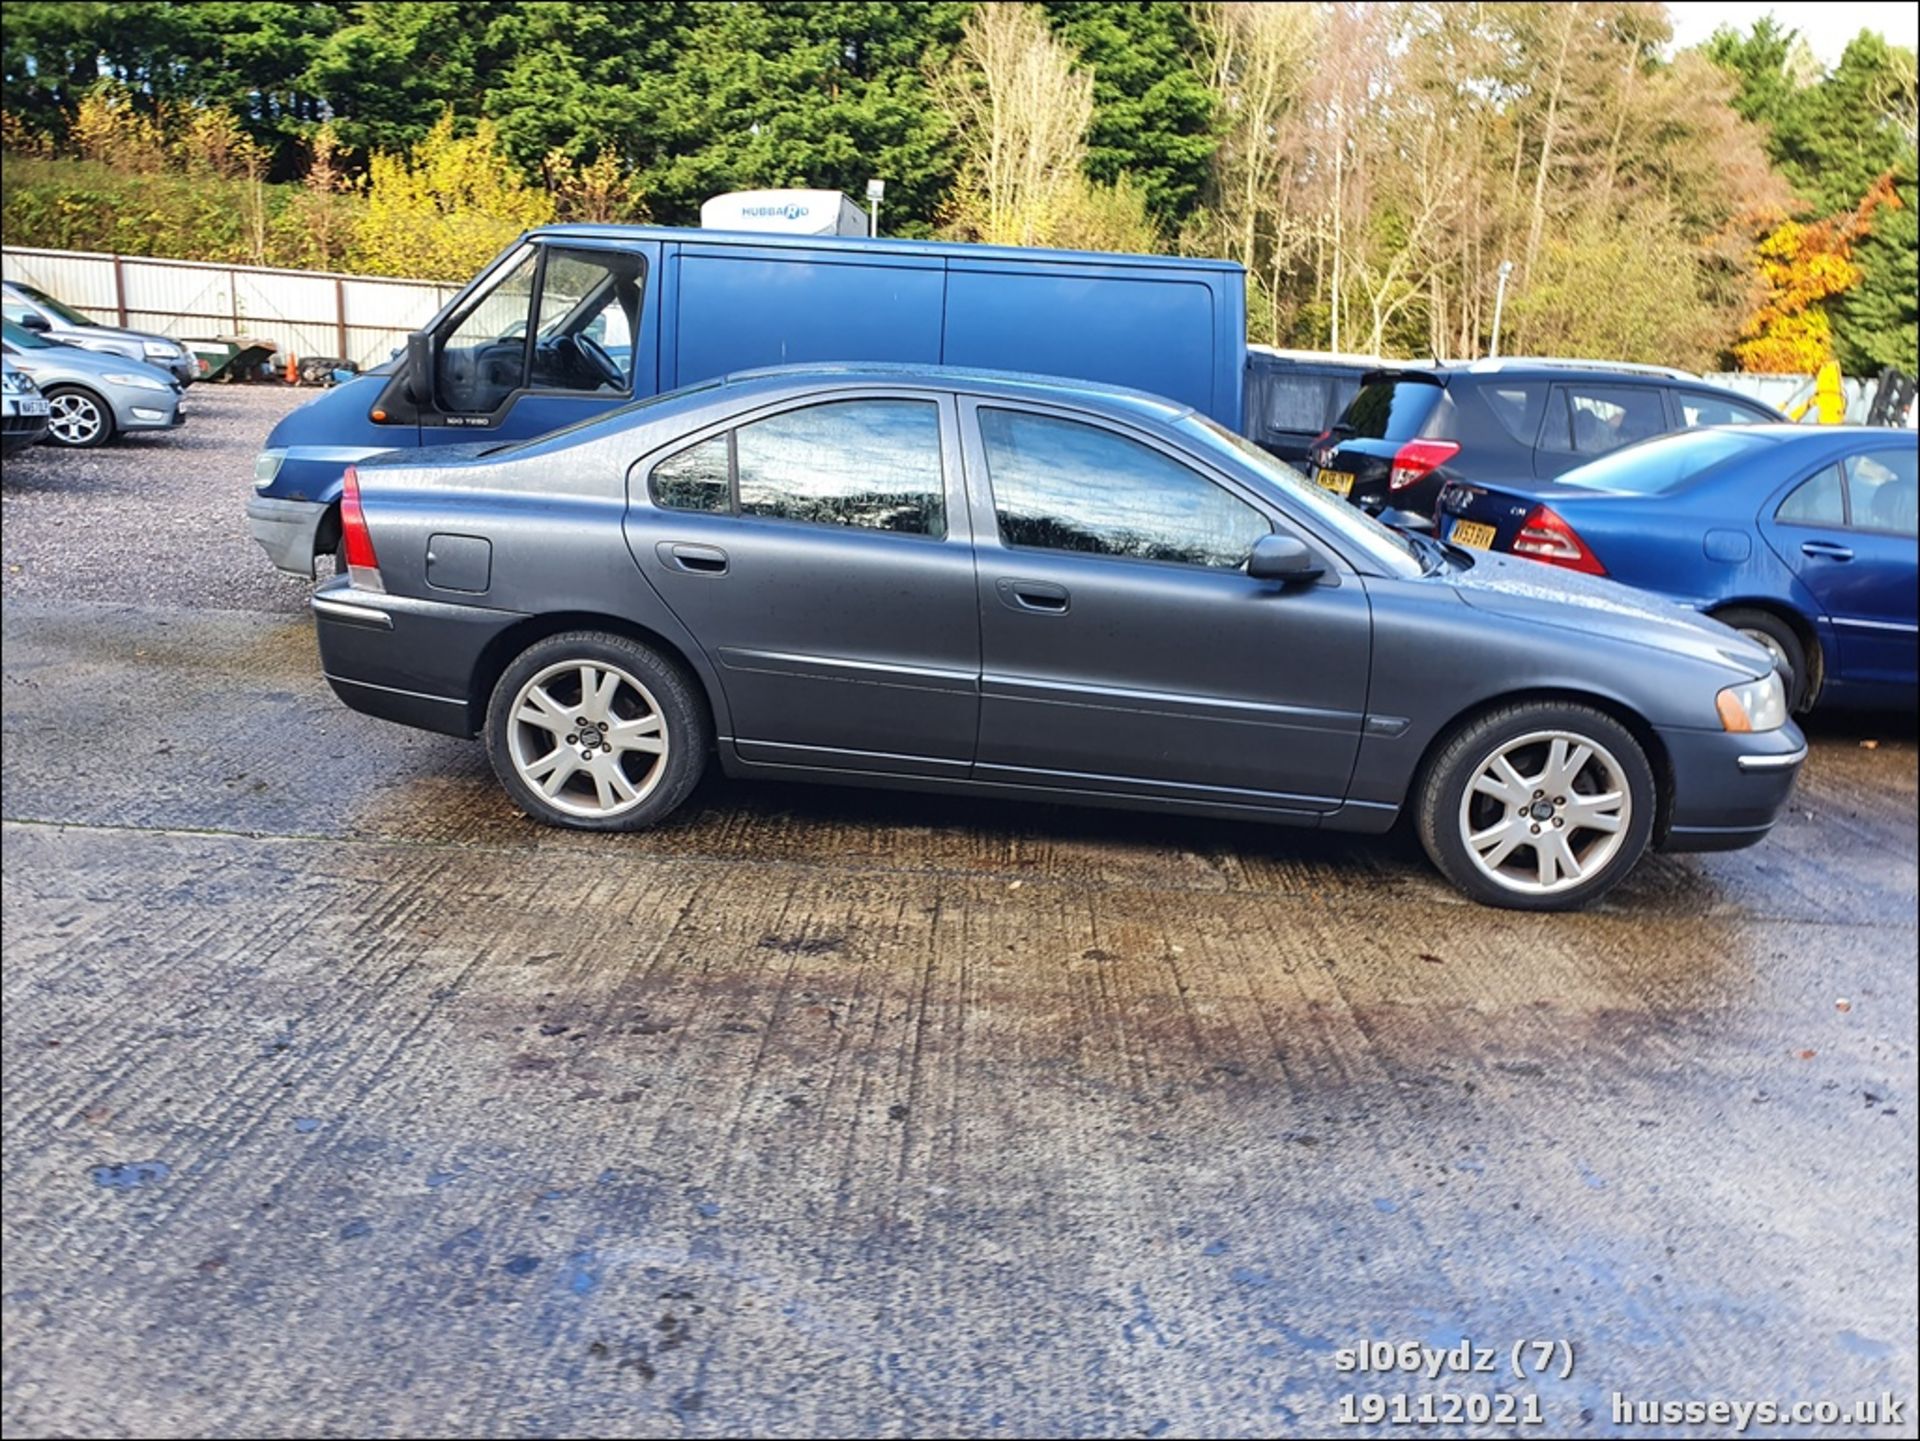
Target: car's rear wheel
[(1541, 806), (597, 732), (77, 418), (1783, 643)]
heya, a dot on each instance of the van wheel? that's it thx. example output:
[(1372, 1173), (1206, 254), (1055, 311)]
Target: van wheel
[(597, 732), (1541, 806), (1782, 642), (77, 418)]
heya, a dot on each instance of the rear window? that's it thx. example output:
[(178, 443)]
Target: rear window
[(1659, 465), (1517, 405), (1298, 402), (1390, 409)]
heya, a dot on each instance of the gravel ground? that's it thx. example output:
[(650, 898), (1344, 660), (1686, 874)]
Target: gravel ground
[(186, 491)]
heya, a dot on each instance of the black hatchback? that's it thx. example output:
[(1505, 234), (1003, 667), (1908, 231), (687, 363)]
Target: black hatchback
[(1411, 430)]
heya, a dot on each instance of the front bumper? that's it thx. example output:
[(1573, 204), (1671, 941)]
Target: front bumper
[(287, 531), (1728, 790)]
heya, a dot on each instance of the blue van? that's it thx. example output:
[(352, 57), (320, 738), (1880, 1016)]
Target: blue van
[(573, 320)]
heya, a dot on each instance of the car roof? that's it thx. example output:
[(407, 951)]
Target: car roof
[(1011, 384), (1442, 371)]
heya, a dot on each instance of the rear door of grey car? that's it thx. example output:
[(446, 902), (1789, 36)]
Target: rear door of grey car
[(819, 552), (1125, 649)]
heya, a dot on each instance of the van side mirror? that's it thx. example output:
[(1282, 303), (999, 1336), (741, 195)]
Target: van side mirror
[(33, 320), (420, 368), (1283, 558)]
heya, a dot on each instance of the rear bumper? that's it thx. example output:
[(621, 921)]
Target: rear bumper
[(413, 662), (286, 530), (1728, 790)]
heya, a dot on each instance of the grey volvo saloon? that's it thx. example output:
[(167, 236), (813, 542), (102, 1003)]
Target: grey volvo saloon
[(1023, 587)]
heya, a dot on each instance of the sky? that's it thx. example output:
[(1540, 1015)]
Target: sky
[(1826, 26)]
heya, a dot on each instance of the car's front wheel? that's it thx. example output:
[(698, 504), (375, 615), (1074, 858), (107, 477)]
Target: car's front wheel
[(77, 418), (1540, 806), (597, 732)]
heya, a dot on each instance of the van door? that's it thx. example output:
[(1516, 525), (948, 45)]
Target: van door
[(560, 332)]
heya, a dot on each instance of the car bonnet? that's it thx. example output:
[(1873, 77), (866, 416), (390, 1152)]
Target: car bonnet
[(1552, 595)]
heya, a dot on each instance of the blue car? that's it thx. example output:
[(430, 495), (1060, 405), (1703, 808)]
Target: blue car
[(1800, 537)]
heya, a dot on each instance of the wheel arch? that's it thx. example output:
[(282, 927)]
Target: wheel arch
[(1797, 621), (499, 653), (1636, 725)]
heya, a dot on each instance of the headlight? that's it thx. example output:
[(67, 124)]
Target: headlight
[(1759, 705), (161, 349), (138, 382), (10, 382), (266, 465)]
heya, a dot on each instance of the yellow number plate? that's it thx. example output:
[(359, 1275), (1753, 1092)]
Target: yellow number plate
[(1340, 482), (1473, 533)]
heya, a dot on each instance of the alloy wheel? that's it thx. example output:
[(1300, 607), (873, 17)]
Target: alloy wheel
[(588, 738), (75, 419), (1545, 812)]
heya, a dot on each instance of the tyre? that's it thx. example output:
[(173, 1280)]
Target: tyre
[(597, 732), (77, 418), (1783, 643), (1540, 806)]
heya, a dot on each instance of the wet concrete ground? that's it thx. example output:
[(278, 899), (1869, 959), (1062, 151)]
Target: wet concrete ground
[(340, 1100)]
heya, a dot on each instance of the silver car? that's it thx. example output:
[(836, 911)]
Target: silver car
[(92, 397), (23, 409), (32, 308)]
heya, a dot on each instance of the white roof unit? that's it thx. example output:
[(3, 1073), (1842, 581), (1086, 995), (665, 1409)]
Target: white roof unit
[(787, 212)]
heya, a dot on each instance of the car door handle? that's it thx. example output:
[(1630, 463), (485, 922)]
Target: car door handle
[(1826, 550), (694, 559), (1042, 596)]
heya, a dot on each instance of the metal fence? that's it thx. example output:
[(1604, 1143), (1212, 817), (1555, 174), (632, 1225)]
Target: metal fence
[(361, 318)]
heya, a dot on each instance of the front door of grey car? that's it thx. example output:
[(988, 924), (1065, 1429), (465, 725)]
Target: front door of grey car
[(821, 554), (1124, 646)]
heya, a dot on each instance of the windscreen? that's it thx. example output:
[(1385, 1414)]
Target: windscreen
[(1656, 466), (1390, 409)]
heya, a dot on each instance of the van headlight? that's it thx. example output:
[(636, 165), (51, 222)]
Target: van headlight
[(1759, 705), (266, 465), (138, 382), (161, 349)]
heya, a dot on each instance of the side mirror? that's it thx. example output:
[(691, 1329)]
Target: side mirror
[(32, 320), (420, 368), (1283, 558)]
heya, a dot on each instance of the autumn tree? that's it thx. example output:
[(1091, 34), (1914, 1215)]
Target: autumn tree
[(1020, 108), (444, 209)]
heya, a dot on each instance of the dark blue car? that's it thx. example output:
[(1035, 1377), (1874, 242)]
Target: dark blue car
[(1802, 538)]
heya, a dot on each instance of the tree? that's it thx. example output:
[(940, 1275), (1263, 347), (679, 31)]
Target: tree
[(1020, 109), (1153, 115), (445, 209), (1876, 322)]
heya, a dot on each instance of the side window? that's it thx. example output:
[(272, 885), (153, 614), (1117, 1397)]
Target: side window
[(1517, 405), (589, 310), (874, 464), (484, 360), (1061, 485), (1697, 408), (1881, 490), (1818, 500), (1594, 419), (1297, 403), (698, 478)]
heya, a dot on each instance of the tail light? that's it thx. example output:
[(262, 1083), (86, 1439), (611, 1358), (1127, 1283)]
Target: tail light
[(1545, 536), (1417, 459), (363, 567)]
